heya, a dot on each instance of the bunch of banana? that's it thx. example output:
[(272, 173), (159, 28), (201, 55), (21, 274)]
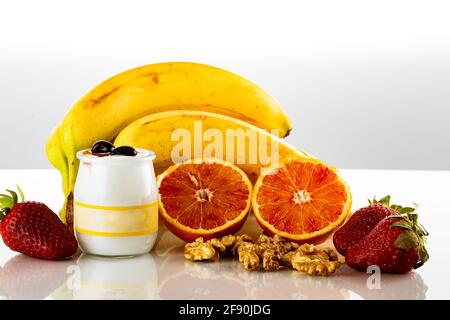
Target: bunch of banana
[(142, 106)]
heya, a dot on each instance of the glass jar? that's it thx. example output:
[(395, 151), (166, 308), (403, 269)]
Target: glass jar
[(115, 204)]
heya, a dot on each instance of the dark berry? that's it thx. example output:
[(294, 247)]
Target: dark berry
[(124, 151), (102, 146)]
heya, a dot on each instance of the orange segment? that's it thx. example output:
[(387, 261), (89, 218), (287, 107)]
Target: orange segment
[(301, 200), (207, 198)]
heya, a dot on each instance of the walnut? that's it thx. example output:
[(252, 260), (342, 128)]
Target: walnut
[(247, 255), (267, 253), (313, 261), (264, 239), (219, 246), (271, 260), (276, 243), (238, 241), (229, 240), (333, 256), (307, 248), (200, 251)]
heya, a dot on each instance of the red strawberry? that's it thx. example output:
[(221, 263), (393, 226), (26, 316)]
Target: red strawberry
[(361, 223), (33, 229), (395, 245)]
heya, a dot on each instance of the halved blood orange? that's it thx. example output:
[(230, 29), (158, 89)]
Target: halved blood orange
[(204, 198), (301, 200)]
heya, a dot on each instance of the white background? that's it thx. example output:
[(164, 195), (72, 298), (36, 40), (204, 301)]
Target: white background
[(366, 83)]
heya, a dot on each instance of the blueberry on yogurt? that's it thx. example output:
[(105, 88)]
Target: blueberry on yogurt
[(102, 147), (124, 151)]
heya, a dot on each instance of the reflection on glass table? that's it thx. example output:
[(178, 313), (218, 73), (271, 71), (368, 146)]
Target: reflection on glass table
[(165, 274)]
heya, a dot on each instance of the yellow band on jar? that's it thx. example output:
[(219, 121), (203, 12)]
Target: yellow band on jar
[(109, 221)]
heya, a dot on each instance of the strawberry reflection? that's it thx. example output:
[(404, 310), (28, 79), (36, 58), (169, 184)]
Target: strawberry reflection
[(408, 286), (26, 278)]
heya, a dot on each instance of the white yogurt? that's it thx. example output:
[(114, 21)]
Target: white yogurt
[(115, 204)]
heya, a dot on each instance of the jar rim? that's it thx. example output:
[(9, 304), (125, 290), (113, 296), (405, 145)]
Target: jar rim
[(143, 155)]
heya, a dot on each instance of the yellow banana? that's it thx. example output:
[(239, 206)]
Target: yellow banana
[(57, 158), (104, 111), (185, 134)]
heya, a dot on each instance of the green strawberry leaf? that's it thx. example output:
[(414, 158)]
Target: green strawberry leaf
[(424, 256), (402, 210), (398, 216), (13, 195), (385, 200), (406, 240), (6, 201), (414, 217), (405, 210), (22, 196), (401, 224)]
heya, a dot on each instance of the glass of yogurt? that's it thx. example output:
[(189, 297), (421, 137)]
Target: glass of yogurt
[(115, 202)]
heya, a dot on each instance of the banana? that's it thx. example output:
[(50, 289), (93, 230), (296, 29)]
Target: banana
[(104, 111), (186, 134), (57, 158)]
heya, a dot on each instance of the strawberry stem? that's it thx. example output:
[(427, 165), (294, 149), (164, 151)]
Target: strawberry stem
[(7, 202)]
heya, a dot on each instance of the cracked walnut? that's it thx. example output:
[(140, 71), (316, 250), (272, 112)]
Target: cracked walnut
[(267, 253)]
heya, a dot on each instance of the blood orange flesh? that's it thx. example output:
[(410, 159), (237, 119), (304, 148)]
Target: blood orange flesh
[(204, 198), (301, 200)]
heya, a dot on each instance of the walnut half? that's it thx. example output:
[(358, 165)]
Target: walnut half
[(200, 251), (313, 261)]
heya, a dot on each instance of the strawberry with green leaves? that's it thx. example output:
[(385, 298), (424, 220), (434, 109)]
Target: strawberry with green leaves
[(388, 236), (33, 229), (395, 245)]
